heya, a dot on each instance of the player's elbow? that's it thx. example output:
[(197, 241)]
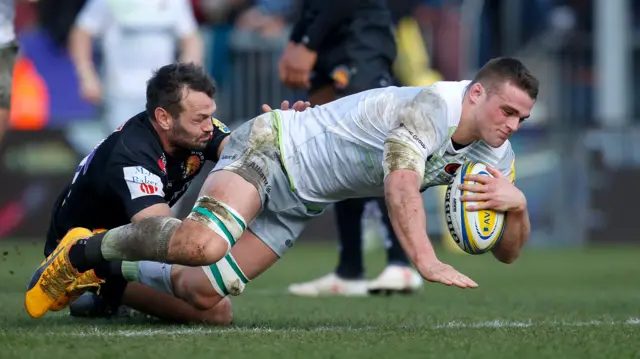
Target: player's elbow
[(507, 258), (506, 254)]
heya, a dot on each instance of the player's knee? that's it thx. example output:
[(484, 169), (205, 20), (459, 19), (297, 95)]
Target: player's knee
[(198, 242), (195, 235)]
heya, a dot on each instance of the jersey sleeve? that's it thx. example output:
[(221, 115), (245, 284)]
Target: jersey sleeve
[(135, 177), (220, 132), (421, 126)]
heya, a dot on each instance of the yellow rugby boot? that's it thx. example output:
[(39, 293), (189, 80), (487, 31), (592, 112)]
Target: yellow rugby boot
[(86, 280), (51, 280)]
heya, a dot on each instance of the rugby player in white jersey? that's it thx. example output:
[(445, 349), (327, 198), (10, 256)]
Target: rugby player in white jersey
[(282, 168)]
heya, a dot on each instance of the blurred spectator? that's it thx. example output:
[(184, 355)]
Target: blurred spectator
[(413, 65), (57, 18), (138, 36), (219, 11), (268, 18), (441, 23), (8, 53)]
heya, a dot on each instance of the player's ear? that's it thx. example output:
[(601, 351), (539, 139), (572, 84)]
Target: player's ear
[(477, 92), (163, 118)]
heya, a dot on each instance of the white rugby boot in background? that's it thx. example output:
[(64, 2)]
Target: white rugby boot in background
[(330, 285), (396, 279)]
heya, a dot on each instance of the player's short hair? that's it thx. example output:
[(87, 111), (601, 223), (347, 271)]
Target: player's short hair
[(165, 87), (507, 69)]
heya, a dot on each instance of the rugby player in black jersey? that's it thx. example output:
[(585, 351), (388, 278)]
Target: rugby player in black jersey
[(141, 170)]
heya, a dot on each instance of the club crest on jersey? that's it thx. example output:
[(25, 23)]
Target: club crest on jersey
[(340, 76), (219, 125), (192, 165)]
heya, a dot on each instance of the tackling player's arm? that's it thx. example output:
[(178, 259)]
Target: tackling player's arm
[(136, 179), (405, 152)]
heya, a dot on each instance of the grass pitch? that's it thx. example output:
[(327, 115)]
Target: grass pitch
[(549, 304)]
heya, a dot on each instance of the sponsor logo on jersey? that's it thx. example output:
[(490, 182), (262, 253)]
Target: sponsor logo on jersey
[(219, 125), (142, 182)]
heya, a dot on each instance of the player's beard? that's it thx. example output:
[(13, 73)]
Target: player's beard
[(185, 140)]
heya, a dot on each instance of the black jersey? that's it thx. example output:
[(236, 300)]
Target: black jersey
[(124, 174)]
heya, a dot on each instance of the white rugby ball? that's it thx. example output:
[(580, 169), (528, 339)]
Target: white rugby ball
[(475, 232)]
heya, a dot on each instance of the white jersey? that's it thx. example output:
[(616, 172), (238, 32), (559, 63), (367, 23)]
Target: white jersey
[(346, 148), (138, 37)]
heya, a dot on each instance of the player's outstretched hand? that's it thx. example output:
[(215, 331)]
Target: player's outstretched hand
[(496, 193), (436, 271), (298, 106)]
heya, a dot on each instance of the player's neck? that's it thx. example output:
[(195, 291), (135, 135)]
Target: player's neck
[(466, 132)]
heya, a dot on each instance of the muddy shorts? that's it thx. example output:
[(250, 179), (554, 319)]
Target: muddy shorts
[(253, 152)]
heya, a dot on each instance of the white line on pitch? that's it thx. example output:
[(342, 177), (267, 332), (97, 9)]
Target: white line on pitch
[(101, 331)]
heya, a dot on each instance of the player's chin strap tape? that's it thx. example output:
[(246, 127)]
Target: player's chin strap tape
[(221, 218), (226, 277)]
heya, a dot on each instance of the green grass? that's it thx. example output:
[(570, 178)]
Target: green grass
[(549, 304)]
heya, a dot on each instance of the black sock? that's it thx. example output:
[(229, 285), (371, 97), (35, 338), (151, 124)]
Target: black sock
[(395, 253), (86, 253), (349, 220), (108, 269), (113, 290)]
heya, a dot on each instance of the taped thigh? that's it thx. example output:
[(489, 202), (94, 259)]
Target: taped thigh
[(226, 277), (220, 218)]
